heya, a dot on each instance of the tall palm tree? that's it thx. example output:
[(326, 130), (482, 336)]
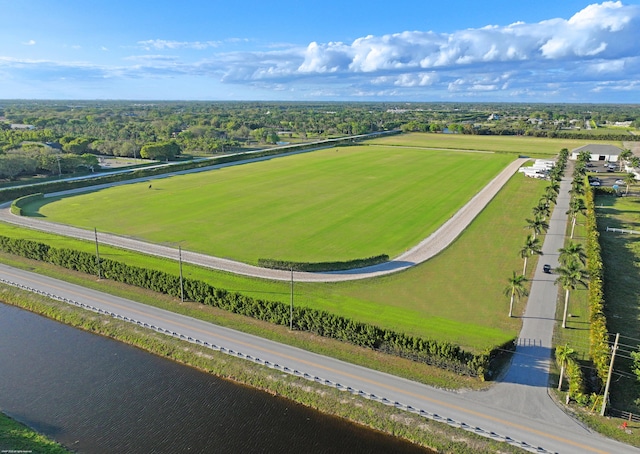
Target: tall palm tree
[(624, 156), (548, 198), (562, 355), (577, 188), (537, 225), (515, 289), (553, 188), (571, 276), (576, 207), (629, 179), (542, 210), (531, 246), (572, 252)]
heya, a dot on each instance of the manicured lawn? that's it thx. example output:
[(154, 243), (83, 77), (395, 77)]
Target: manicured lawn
[(621, 258), (530, 146), (331, 205), (457, 296)]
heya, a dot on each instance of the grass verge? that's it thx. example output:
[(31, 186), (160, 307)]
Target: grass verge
[(16, 437)]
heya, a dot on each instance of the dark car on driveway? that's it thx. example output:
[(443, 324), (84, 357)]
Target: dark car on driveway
[(546, 268)]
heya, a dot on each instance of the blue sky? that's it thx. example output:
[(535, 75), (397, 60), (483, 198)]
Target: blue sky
[(543, 51)]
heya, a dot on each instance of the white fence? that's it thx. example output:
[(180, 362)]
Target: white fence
[(611, 229)]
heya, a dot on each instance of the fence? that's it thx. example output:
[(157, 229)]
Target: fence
[(631, 417), (611, 229)]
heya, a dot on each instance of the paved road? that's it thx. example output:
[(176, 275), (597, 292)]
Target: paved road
[(428, 248), (518, 407), (463, 409)]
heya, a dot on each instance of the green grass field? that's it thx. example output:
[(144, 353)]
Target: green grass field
[(332, 205), (457, 296), (530, 146)]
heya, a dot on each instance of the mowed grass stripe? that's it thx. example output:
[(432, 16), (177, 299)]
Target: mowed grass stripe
[(455, 297), (331, 205), (534, 146)]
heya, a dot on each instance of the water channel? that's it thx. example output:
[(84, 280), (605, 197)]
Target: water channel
[(96, 395)]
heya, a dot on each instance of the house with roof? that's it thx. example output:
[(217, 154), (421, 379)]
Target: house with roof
[(599, 152)]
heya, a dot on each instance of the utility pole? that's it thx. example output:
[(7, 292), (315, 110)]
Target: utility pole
[(606, 388), (291, 305), (181, 283), (95, 232)]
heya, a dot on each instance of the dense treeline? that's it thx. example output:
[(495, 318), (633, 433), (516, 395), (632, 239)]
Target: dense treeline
[(322, 323)]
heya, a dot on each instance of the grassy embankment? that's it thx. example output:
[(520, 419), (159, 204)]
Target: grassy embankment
[(16, 437)]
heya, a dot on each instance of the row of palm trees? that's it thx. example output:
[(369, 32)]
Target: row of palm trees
[(538, 224), (571, 272)]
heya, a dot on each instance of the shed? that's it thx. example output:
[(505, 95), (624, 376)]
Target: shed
[(599, 152)]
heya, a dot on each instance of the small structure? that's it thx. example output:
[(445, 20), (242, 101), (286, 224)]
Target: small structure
[(599, 152), (539, 169)]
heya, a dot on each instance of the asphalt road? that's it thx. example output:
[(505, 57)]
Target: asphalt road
[(476, 411)]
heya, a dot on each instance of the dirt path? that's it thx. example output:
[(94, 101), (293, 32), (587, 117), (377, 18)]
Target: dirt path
[(426, 249)]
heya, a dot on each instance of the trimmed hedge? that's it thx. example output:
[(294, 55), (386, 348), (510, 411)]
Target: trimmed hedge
[(599, 347), (16, 206), (322, 266), (322, 323)]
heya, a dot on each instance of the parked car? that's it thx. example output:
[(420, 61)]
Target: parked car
[(546, 268), (620, 182), (595, 183)]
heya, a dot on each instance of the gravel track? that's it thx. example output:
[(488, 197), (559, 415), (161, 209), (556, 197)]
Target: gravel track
[(428, 248)]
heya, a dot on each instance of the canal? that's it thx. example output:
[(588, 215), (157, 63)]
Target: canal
[(96, 395)]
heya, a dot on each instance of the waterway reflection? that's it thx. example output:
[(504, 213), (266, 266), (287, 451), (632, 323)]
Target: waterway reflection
[(96, 395)]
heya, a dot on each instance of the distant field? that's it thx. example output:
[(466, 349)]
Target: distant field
[(512, 144), (331, 205)]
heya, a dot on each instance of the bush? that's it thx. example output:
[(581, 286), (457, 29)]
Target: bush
[(322, 323)]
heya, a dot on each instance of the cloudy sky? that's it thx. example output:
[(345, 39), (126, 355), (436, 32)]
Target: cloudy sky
[(349, 50)]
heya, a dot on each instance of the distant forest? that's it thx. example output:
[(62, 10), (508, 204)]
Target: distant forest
[(62, 136)]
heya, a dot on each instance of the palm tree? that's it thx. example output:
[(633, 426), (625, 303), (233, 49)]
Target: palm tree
[(584, 156), (577, 188), (541, 210), (515, 289), (571, 276), (629, 179), (548, 198), (537, 225), (531, 246), (624, 156), (576, 206), (553, 188), (572, 252), (562, 355)]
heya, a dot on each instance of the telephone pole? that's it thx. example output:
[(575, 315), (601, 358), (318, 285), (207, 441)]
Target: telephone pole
[(606, 388)]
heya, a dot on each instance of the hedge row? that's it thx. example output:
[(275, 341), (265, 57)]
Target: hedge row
[(599, 347), (322, 266), (322, 323), (16, 206)]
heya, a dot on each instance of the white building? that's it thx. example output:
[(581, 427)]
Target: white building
[(603, 153)]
